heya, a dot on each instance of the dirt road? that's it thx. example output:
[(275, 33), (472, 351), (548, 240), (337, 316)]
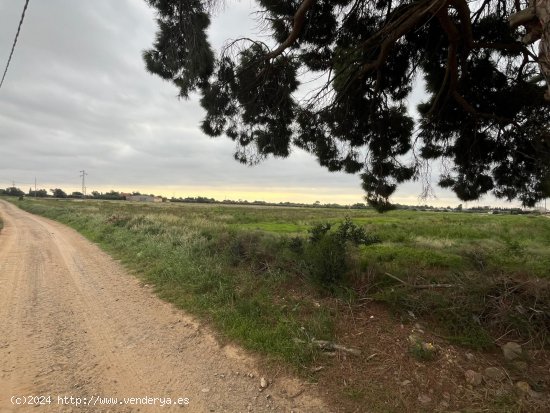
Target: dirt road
[(73, 323)]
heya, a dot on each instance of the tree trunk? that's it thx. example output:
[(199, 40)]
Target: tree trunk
[(543, 15), (536, 19)]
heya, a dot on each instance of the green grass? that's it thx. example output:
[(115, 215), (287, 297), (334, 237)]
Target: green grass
[(246, 269), (275, 227)]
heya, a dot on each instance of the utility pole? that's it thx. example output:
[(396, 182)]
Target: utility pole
[(83, 176)]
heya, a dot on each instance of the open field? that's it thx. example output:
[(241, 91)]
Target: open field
[(257, 275)]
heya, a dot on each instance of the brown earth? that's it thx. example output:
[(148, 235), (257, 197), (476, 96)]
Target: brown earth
[(74, 323), (388, 377)]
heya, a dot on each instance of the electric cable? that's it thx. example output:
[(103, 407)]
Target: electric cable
[(14, 42)]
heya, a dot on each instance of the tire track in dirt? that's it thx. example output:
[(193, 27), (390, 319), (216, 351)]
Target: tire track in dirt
[(74, 323)]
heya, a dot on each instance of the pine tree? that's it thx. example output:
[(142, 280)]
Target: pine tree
[(485, 113)]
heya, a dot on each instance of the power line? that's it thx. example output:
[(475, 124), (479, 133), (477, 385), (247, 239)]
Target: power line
[(14, 42)]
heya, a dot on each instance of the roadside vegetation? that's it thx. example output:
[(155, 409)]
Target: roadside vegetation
[(278, 280), (257, 272)]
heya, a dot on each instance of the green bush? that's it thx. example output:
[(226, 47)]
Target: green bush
[(296, 245), (326, 260), (328, 253), (348, 231)]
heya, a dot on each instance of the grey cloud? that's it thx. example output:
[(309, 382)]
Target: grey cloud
[(77, 96)]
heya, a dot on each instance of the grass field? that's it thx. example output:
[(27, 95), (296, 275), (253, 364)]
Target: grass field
[(272, 279), (254, 274)]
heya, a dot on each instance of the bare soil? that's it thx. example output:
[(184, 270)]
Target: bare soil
[(74, 323), (388, 377)]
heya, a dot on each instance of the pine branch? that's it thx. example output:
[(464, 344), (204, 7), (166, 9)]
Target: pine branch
[(299, 20)]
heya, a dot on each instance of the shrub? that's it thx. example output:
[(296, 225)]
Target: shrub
[(328, 253), (348, 231), (296, 245), (318, 232), (326, 260)]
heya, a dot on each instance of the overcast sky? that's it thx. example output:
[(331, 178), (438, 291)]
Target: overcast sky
[(77, 96)]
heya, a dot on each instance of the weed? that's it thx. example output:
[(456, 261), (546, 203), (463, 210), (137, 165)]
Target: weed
[(420, 350), (118, 220)]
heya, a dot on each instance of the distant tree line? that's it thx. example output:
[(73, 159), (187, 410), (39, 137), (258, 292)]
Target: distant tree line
[(60, 193), (121, 196), (359, 205), (316, 204)]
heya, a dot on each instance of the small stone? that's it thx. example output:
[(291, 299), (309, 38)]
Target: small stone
[(511, 351), (473, 377), (424, 399), (523, 386), (405, 382), (205, 390), (469, 356), (263, 383), (494, 373)]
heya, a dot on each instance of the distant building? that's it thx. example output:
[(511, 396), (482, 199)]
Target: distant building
[(144, 198)]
